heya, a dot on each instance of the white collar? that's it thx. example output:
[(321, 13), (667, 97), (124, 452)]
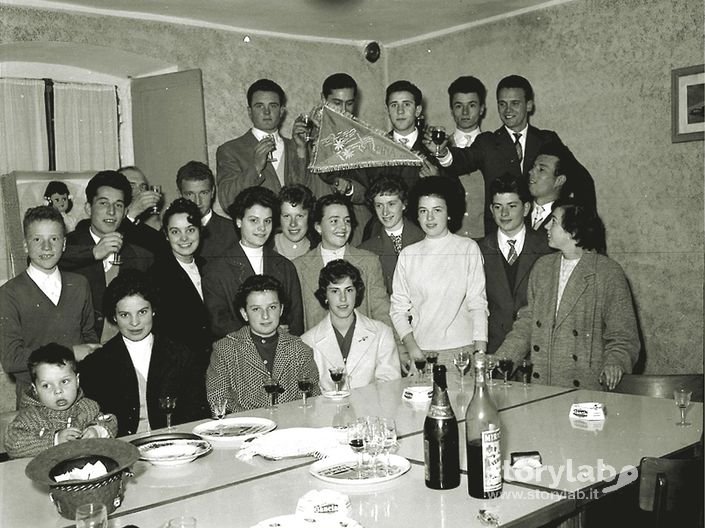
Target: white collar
[(397, 231), (261, 134), (95, 237), (503, 240), (252, 252), (332, 254), (410, 138), (206, 218), (548, 206), (466, 137), (140, 353), (512, 133)]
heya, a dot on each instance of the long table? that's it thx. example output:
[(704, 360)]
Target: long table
[(221, 490)]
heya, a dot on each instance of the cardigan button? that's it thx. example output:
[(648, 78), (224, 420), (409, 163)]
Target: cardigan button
[(536, 375), (576, 383), (536, 348), (575, 333), (538, 323), (575, 357)]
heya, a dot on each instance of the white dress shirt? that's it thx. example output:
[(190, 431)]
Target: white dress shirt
[(193, 274), (465, 139), (49, 283), (409, 140), (503, 242), (332, 254), (108, 260), (277, 153), (522, 142), (539, 213)]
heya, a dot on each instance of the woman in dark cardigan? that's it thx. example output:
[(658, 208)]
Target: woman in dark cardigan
[(176, 274), (136, 368)]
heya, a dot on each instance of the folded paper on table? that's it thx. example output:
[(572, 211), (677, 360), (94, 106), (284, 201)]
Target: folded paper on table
[(295, 442)]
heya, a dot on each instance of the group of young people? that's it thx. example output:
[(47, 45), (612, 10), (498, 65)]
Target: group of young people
[(363, 269)]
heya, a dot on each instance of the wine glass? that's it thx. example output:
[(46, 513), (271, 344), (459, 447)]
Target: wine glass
[(220, 406), (438, 136), (308, 123), (336, 375), (420, 364), (525, 368), (92, 515), (431, 359), (389, 431), (356, 441), (305, 385), (270, 154), (168, 404), (682, 398), (156, 189), (491, 365), (117, 259), (505, 368), (461, 360), (374, 441), (273, 388)]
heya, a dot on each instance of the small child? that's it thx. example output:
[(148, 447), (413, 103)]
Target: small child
[(54, 409), (57, 196)]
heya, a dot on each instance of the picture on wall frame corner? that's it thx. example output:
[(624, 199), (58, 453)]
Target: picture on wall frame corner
[(688, 104)]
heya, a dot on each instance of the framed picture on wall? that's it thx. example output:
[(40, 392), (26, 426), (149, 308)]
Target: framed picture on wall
[(688, 104)]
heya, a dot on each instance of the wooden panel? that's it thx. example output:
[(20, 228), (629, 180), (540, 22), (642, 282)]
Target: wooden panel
[(168, 126)]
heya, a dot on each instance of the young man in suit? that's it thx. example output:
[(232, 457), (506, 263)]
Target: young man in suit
[(253, 212), (509, 254), (195, 182), (467, 97), (390, 232), (511, 148), (261, 156), (92, 248)]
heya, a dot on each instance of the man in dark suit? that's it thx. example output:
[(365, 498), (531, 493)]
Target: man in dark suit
[(92, 248), (389, 232), (509, 254), (253, 211), (510, 149), (261, 156), (195, 182)]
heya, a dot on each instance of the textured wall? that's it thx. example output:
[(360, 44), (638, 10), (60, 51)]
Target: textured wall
[(602, 72)]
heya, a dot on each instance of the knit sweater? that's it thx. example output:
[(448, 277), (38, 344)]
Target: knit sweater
[(32, 431), (441, 284)]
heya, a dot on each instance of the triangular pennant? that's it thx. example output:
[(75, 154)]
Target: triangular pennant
[(346, 143)]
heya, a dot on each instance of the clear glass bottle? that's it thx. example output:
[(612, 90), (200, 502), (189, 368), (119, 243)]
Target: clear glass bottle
[(483, 433), (440, 437)]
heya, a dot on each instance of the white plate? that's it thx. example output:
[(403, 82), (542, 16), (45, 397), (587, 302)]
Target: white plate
[(173, 452), (296, 521), (344, 471), (234, 431), (336, 395)]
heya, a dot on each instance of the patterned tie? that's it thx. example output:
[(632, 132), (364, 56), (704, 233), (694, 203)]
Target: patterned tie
[(396, 240), (538, 213), (517, 146), (512, 257), (404, 141)]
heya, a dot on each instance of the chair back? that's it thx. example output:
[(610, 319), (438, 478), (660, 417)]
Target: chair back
[(661, 385), (672, 489)]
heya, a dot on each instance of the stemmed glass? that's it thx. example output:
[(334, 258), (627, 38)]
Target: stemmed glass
[(156, 189), (336, 375), (356, 441), (438, 136), (117, 259), (374, 441), (420, 364), (308, 123), (92, 515), (389, 444), (305, 385), (491, 365), (682, 398), (273, 388), (431, 359), (525, 368), (168, 404), (505, 367), (270, 154), (461, 360), (220, 407)]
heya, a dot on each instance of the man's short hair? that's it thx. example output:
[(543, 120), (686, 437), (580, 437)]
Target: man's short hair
[(194, 171), (584, 225), (50, 354), (561, 152), (128, 282), (133, 168), (506, 184), (517, 81), (387, 185), (38, 214), (333, 199), (297, 194), (259, 283), (334, 272), (254, 196), (265, 85), (467, 84), (109, 178), (182, 205), (338, 81), (450, 190), (404, 86)]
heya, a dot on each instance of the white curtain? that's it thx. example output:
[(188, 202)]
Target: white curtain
[(86, 127), (23, 131)]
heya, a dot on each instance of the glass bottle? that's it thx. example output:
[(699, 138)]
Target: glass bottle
[(440, 437), (483, 433)]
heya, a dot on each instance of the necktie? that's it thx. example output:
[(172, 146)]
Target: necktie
[(396, 240), (404, 141), (517, 146), (538, 214), (512, 257)]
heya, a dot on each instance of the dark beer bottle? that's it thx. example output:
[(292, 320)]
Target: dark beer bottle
[(483, 433), (440, 437)]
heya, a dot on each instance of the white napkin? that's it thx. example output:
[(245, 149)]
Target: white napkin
[(319, 442), (87, 472)]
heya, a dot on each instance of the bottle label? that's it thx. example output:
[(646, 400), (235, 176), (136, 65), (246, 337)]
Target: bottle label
[(491, 460)]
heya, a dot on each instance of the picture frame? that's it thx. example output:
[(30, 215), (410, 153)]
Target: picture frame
[(688, 104)]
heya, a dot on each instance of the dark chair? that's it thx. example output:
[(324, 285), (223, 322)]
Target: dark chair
[(661, 385), (672, 490)]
